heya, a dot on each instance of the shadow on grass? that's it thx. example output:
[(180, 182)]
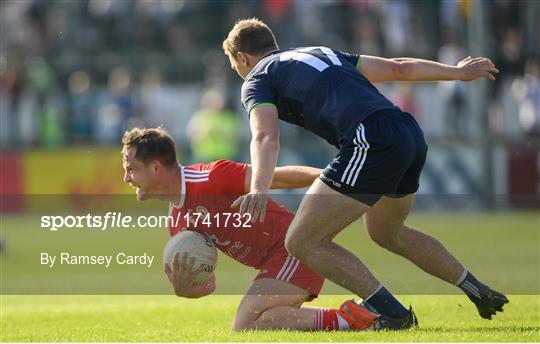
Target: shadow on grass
[(479, 329)]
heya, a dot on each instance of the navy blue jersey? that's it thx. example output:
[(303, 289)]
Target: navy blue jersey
[(317, 88)]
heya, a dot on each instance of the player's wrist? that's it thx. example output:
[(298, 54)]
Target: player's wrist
[(259, 188), (259, 191), (459, 72)]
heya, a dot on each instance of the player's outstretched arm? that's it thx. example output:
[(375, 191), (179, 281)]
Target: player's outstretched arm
[(379, 69), (288, 177), (293, 177)]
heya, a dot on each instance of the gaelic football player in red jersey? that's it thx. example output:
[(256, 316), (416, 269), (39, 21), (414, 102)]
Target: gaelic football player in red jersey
[(201, 198)]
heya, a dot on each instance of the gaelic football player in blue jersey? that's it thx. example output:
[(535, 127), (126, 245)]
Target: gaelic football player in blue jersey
[(376, 172)]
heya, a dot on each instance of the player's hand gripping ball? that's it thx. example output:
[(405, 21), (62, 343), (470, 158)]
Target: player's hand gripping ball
[(199, 247)]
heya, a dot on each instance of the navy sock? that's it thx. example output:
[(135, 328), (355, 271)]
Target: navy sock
[(386, 304), (470, 285)]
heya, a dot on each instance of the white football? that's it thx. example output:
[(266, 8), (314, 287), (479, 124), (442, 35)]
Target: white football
[(195, 245)]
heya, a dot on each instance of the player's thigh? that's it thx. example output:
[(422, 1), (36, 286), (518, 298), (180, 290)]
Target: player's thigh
[(266, 293), (323, 213), (387, 216)]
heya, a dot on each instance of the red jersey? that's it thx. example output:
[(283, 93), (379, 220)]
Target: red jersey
[(208, 191)]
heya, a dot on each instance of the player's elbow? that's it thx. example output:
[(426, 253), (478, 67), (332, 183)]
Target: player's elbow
[(267, 138), (267, 142), (404, 70)]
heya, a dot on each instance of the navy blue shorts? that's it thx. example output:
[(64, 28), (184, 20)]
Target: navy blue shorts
[(383, 156)]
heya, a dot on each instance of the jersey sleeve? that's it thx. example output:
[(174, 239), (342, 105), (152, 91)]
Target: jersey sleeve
[(257, 90), (229, 177), (353, 59)]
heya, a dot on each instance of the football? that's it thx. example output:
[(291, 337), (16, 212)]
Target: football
[(195, 245)]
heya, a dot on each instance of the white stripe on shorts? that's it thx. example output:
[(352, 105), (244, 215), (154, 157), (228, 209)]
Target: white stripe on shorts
[(352, 158), (288, 268), (292, 270), (365, 144), (358, 158), (284, 266)]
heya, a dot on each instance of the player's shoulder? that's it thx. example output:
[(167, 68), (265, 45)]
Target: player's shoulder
[(268, 64), (196, 179), (211, 170), (217, 177), (197, 174)]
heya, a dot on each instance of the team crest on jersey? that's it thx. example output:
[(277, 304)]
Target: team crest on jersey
[(216, 240), (202, 210)]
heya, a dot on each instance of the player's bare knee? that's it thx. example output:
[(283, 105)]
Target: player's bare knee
[(243, 322), (389, 241), (239, 326), (296, 247), (291, 244)]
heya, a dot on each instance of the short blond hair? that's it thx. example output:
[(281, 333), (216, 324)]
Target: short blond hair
[(251, 36), (151, 144)]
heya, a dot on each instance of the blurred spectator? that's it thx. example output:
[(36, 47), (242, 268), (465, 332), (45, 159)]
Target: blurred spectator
[(366, 36), (42, 84), (214, 131), (81, 101), (403, 96), (511, 51), (11, 88), (80, 44), (453, 93), (118, 108), (152, 97), (397, 27), (526, 90)]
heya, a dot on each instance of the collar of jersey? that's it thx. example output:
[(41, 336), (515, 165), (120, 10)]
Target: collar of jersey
[(183, 191), (264, 57)]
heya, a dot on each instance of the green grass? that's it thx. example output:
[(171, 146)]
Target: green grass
[(500, 248), (170, 319)]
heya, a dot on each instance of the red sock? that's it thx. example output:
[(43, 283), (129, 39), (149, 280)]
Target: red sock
[(327, 319)]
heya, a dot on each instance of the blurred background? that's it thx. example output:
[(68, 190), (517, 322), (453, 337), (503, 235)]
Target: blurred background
[(76, 74)]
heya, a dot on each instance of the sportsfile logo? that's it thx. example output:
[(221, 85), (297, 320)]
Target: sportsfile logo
[(118, 220), (109, 220)]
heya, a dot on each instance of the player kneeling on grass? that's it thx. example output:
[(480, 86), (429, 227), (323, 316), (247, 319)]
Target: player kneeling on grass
[(283, 284)]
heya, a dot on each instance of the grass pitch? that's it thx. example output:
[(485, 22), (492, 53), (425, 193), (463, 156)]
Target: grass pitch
[(500, 248), (169, 319)]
